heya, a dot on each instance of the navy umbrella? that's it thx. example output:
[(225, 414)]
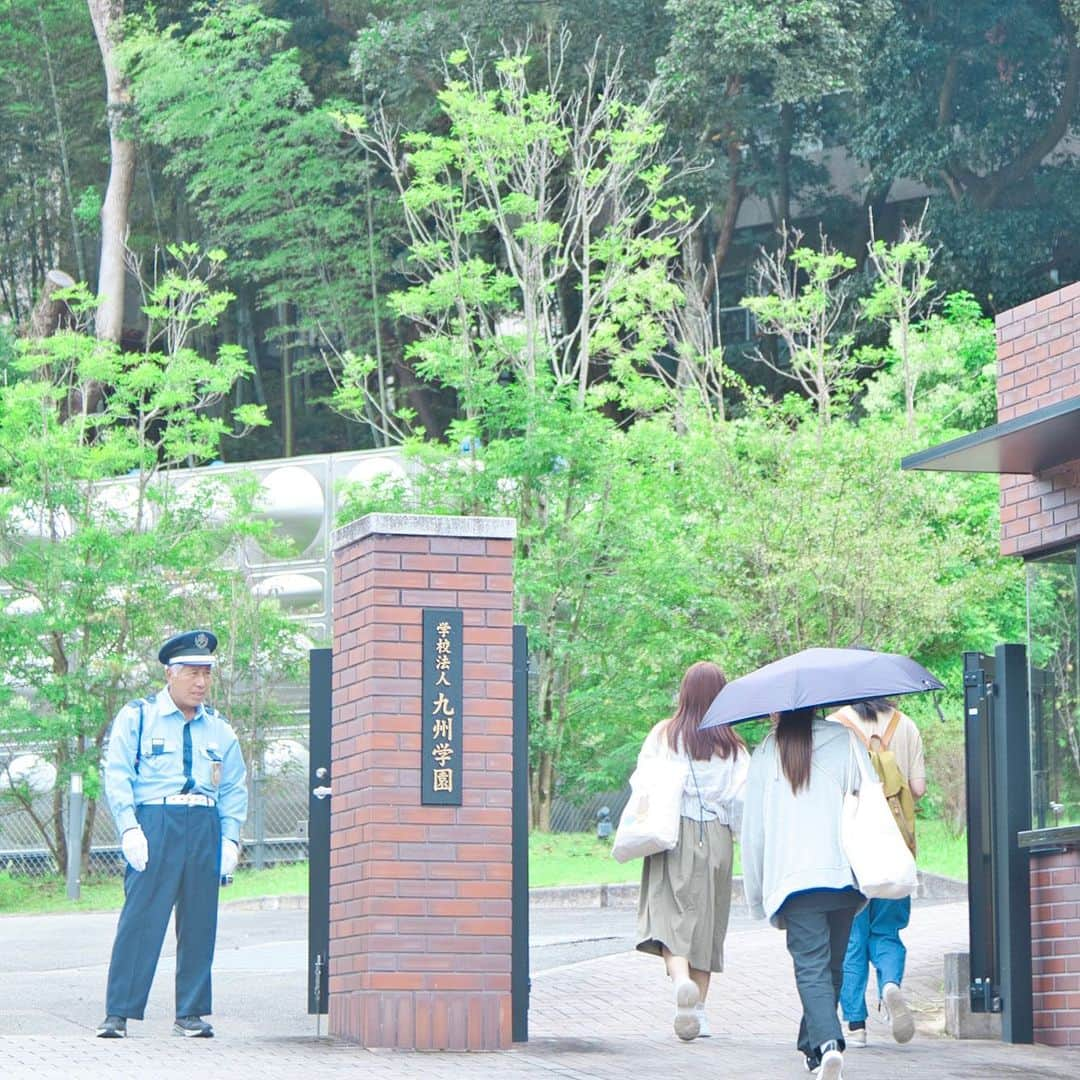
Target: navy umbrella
[(817, 677)]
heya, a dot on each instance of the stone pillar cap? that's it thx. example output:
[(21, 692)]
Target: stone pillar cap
[(479, 528)]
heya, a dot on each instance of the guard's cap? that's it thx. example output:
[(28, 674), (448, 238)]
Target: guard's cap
[(193, 647)]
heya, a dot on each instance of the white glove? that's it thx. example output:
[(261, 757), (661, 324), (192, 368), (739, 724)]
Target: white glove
[(230, 856), (135, 849)]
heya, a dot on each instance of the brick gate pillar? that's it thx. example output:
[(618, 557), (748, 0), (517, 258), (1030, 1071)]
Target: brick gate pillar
[(420, 894)]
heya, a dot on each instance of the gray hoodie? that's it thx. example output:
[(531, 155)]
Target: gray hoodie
[(791, 843)]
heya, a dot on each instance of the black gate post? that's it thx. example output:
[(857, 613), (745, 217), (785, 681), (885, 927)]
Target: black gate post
[(519, 895), (320, 689), (1012, 815), (979, 787)]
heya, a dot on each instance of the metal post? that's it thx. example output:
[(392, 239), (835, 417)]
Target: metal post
[(979, 787), (76, 811), (258, 807), (519, 895), (1012, 815), (320, 713)]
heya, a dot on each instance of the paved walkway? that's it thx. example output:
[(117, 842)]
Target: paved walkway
[(606, 1017)]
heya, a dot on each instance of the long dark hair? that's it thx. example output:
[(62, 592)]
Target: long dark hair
[(872, 708), (795, 744), (701, 683)]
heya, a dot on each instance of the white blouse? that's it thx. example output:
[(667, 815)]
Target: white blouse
[(713, 788)]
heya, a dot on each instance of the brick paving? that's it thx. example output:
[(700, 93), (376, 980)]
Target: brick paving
[(608, 1017)]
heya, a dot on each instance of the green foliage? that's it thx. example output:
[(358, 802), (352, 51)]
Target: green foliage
[(803, 301), (261, 160), (102, 544), (43, 136), (975, 97), (540, 230)]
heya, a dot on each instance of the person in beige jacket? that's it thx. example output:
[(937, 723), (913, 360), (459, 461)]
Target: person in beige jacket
[(875, 933)]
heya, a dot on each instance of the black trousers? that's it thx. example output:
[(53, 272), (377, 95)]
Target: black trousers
[(183, 872), (818, 923)]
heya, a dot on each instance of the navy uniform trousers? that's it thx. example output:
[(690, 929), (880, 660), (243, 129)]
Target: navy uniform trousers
[(183, 871)]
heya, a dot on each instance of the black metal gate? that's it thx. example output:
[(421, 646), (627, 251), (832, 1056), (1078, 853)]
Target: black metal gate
[(997, 769), (319, 705), (519, 896)]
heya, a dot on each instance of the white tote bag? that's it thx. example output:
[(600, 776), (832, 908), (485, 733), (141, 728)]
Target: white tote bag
[(650, 822), (883, 866)]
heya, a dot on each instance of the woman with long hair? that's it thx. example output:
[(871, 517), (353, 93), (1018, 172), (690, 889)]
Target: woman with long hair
[(686, 893), (795, 872)]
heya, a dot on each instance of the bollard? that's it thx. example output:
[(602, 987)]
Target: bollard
[(74, 837)]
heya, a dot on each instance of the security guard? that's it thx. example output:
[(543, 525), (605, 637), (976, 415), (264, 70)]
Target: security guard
[(177, 788)]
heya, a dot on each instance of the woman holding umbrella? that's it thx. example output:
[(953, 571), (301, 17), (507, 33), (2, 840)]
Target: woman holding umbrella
[(794, 869), (685, 894)]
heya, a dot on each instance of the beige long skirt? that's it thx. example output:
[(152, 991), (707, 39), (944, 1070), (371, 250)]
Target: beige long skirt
[(685, 896)]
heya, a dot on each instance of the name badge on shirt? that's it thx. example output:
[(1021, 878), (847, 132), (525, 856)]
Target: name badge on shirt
[(215, 766), (157, 747)]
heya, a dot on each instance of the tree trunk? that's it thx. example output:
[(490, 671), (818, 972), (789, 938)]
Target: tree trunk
[(76, 236), (107, 16), (541, 781), (783, 163), (286, 381), (49, 313)]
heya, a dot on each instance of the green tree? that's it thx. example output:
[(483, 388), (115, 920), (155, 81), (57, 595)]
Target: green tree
[(267, 174), (749, 80), (977, 101), (540, 227), (804, 300), (93, 566), (51, 131)]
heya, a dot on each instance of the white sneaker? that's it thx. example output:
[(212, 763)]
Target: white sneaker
[(855, 1037), (832, 1066), (901, 1021), (687, 1021), (703, 1022)]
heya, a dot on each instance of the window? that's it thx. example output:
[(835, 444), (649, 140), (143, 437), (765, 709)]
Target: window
[(1054, 688)]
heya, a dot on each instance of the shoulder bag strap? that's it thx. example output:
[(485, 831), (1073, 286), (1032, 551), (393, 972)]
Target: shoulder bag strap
[(701, 804), (862, 765), (890, 730)]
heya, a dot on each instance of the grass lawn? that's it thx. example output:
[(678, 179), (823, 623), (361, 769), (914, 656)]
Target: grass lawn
[(581, 859), (41, 895), (554, 859)]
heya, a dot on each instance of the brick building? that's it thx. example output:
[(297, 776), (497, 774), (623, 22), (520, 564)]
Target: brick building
[(1035, 447)]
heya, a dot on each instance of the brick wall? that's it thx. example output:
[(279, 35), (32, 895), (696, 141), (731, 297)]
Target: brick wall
[(420, 895), (1038, 364), (1055, 945)]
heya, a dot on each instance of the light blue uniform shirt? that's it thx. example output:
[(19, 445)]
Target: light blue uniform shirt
[(161, 768)]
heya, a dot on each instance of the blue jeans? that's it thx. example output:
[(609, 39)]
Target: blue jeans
[(875, 939)]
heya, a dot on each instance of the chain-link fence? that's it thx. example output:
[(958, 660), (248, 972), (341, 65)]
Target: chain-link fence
[(275, 831)]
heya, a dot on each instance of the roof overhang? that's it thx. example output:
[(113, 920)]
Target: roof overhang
[(1029, 444)]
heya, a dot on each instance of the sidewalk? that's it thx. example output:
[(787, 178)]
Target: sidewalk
[(607, 1017)]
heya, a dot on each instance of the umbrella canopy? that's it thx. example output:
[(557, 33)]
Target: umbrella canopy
[(816, 677)]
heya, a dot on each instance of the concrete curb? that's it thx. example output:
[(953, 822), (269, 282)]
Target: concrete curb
[(623, 895)]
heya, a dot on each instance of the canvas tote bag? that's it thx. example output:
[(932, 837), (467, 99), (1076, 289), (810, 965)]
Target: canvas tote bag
[(883, 866), (650, 822)]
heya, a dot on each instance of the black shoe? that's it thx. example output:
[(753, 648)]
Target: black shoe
[(192, 1027), (112, 1027)]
